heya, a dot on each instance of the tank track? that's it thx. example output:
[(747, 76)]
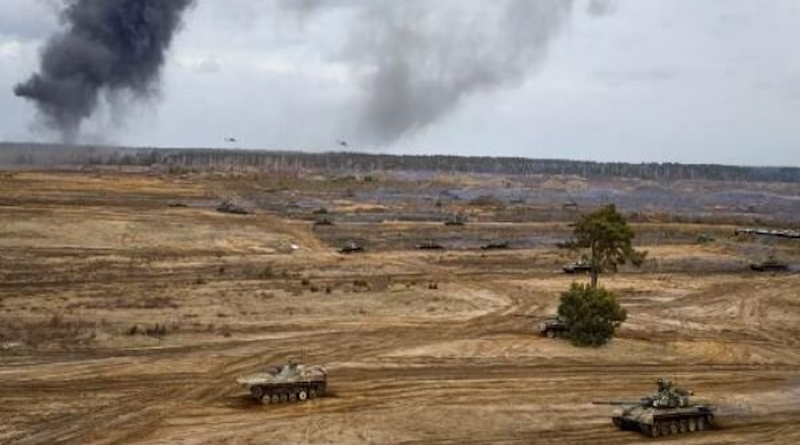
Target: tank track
[(290, 393), (669, 426)]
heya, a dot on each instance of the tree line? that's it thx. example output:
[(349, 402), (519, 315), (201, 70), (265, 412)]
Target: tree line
[(43, 154)]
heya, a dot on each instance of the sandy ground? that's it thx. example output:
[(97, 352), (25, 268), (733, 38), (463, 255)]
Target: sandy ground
[(85, 258)]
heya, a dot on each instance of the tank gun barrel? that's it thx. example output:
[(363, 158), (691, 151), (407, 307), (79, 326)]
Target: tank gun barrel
[(616, 402)]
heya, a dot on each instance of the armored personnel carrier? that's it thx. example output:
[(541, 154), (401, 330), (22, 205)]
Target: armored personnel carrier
[(351, 247), (288, 383), (496, 245), (670, 411), (770, 265), (577, 267), (553, 327)]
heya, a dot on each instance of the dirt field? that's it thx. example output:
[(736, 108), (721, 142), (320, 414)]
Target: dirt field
[(128, 306)]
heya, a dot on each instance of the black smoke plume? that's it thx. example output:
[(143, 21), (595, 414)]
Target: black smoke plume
[(107, 47)]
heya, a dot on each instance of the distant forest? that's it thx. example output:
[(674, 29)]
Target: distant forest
[(61, 155)]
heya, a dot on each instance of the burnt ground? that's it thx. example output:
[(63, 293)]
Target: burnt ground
[(125, 320)]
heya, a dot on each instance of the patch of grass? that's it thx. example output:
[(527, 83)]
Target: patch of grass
[(57, 331)]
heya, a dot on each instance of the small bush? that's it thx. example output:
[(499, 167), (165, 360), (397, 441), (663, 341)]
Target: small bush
[(55, 332), (157, 331), (592, 315)]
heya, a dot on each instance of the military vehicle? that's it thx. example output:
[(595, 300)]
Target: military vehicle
[(553, 327), (323, 222), (228, 206), (669, 411), (351, 247), (288, 383), (456, 220), (496, 245), (577, 267), (430, 245), (770, 265)]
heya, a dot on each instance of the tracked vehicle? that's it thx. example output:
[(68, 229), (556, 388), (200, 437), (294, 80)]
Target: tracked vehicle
[(497, 245), (770, 265), (670, 411), (430, 245), (352, 247), (553, 327), (288, 383), (577, 267)]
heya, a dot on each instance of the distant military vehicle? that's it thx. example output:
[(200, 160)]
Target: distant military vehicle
[(456, 220), (324, 221), (430, 245), (668, 412), (352, 247), (570, 205), (577, 267), (770, 265), (553, 327), (288, 383), (496, 245), (705, 239), (228, 206)]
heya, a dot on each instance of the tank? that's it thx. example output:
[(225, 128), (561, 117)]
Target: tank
[(351, 247), (430, 245), (229, 206), (553, 327), (288, 383), (670, 411), (577, 267), (496, 245), (770, 265), (324, 221)]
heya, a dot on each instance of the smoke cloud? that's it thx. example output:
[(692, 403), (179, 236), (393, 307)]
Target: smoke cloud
[(107, 47), (417, 60), (421, 58)]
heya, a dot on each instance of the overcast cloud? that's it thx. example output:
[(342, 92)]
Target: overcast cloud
[(632, 80)]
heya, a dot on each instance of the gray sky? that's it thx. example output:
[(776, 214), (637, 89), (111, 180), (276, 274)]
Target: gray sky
[(695, 81)]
